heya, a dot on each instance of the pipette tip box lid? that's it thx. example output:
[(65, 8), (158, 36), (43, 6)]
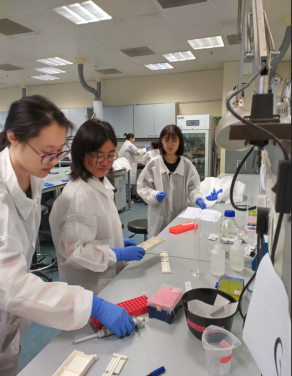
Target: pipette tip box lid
[(165, 303)]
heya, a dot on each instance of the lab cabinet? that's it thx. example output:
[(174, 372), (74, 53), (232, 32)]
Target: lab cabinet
[(164, 114), (123, 120), (144, 121), (108, 115), (78, 116), (3, 116), (119, 182), (233, 159)]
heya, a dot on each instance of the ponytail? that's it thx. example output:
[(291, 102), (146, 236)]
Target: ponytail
[(3, 140), (128, 135)]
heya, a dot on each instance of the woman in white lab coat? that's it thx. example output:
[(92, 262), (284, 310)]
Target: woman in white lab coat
[(169, 181), (32, 142), (151, 153), (130, 152), (85, 223)]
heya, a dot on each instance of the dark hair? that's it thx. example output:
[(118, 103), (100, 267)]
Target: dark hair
[(128, 135), (28, 116), (155, 144), (89, 138), (171, 131)]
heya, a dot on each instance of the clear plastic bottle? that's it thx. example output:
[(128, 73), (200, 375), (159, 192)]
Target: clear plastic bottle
[(217, 260), (228, 229), (237, 257)]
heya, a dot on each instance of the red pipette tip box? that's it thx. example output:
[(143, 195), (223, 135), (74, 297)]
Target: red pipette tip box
[(134, 307), (178, 229)]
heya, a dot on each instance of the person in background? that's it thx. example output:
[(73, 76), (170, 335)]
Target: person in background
[(130, 152), (168, 181), (31, 143), (151, 153), (85, 224)]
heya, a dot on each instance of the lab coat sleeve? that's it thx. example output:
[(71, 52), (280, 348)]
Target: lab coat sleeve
[(145, 158), (53, 304), (78, 245), (135, 151), (194, 186), (145, 185)]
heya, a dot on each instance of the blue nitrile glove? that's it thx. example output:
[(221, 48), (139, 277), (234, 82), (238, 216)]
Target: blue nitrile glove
[(129, 253), (147, 147), (214, 195), (112, 316), (128, 242), (201, 204), (160, 196)]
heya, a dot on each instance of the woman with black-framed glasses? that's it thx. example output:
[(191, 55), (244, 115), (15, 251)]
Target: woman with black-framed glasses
[(85, 223), (32, 141)]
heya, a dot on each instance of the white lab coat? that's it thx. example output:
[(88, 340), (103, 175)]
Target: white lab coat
[(149, 155), (180, 186), (23, 295), (85, 226), (130, 151)]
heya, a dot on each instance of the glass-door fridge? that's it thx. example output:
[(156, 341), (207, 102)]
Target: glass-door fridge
[(198, 132)]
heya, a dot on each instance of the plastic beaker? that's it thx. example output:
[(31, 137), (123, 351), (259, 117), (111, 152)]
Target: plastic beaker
[(218, 344), (251, 235)]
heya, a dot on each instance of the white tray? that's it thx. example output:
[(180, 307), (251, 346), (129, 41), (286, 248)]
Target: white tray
[(77, 364), (151, 243)]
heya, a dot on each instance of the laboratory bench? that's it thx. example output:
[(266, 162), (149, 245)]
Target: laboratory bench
[(157, 343)]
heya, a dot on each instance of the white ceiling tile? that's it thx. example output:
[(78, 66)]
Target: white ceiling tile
[(68, 34), (168, 47), (159, 36), (146, 22), (106, 28), (190, 15), (226, 9), (149, 59), (125, 8), (199, 31), (122, 41), (229, 26), (39, 19), (186, 66), (10, 7)]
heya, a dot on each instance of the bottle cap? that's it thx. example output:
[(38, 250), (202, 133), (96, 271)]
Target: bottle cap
[(229, 213)]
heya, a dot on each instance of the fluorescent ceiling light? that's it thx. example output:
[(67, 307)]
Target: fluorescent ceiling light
[(212, 42), (82, 13), (180, 56), (45, 77), (50, 70), (54, 61), (159, 66)]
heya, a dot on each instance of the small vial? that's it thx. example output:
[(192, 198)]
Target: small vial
[(237, 257), (217, 260)]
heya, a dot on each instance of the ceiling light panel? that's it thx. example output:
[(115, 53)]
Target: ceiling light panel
[(45, 77), (50, 70), (54, 61), (212, 42), (159, 66), (179, 56), (82, 13)]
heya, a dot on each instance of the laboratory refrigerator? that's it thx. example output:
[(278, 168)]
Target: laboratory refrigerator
[(198, 132)]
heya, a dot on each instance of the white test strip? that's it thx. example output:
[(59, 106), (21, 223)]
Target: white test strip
[(115, 365), (165, 262), (188, 286), (151, 243)]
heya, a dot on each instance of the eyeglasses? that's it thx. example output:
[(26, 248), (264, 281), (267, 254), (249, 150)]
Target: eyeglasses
[(100, 159), (168, 141), (50, 157)]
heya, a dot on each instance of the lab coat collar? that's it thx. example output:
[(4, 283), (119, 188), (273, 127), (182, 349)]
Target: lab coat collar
[(104, 187), (179, 170), (23, 204)]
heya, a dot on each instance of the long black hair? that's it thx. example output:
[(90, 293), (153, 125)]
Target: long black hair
[(28, 116), (128, 135), (89, 138), (172, 130)]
